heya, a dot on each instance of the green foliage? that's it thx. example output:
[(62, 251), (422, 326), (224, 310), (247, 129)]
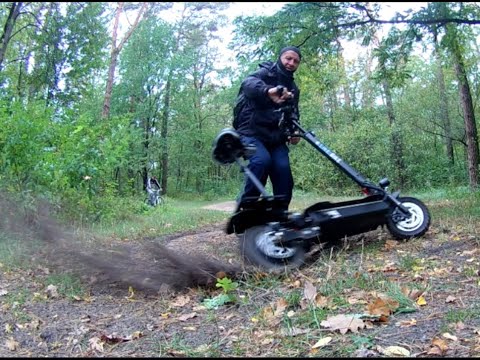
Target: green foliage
[(53, 143), (226, 284), (225, 297), (26, 144)]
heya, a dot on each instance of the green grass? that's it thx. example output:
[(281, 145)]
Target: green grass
[(462, 315), (454, 203), (12, 252), (14, 302), (172, 217), (67, 285), (408, 262)]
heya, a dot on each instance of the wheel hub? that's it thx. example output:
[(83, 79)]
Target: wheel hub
[(265, 242), (414, 221)]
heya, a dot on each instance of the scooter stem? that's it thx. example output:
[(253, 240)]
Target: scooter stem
[(252, 177)]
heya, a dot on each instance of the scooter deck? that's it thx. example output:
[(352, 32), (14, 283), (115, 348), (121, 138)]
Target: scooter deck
[(349, 218), (335, 219)]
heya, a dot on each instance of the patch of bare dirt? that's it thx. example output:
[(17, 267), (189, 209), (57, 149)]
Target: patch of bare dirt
[(227, 206)]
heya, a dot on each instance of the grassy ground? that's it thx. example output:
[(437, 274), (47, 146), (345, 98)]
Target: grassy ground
[(374, 297)]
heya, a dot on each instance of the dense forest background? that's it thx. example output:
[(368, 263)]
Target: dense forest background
[(96, 96)]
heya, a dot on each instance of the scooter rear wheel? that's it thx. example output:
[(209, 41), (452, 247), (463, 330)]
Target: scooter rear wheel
[(258, 249), (415, 226)]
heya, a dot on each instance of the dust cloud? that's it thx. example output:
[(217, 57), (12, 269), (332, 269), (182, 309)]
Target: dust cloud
[(148, 266)]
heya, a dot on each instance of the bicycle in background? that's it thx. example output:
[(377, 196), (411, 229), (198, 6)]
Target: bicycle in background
[(154, 192)]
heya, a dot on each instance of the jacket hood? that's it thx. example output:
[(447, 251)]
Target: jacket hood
[(266, 64)]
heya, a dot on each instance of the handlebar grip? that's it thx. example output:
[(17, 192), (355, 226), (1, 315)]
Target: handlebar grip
[(280, 89)]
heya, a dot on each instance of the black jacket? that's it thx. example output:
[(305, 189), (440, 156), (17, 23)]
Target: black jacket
[(258, 117)]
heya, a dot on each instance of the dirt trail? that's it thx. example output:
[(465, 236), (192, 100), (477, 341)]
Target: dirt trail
[(227, 206)]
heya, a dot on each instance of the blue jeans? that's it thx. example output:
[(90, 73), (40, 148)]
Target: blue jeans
[(269, 162)]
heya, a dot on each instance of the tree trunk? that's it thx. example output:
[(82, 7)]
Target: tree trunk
[(8, 28), (344, 80), (113, 63), (164, 137), (470, 124), (115, 51), (397, 142), (467, 109), (444, 113)]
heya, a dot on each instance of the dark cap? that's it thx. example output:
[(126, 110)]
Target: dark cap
[(291, 48)]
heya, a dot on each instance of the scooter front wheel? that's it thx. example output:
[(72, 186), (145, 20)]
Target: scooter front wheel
[(258, 248), (414, 226)]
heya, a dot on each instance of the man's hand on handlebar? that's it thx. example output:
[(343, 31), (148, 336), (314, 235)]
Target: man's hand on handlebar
[(279, 94), (294, 140)]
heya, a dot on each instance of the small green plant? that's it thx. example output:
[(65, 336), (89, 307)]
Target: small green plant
[(225, 297), (362, 341), (67, 285), (294, 298), (227, 285), (409, 262)]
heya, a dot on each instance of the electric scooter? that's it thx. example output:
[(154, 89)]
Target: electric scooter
[(274, 239)]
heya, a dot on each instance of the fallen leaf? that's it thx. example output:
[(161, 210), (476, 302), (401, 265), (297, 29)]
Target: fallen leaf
[(267, 312), (343, 323), (202, 348), (185, 317), (383, 307), (441, 344), (52, 291), (294, 331), (12, 344), (260, 334), (309, 291), (322, 301), (421, 301), (389, 267), (96, 344), (131, 293), (296, 284), (199, 307), (181, 301), (136, 335), (322, 342), (450, 336), (412, 294), (394, 351), (280, 307), (450, 299), (390, 244), (357, 297), (353, 301), (407, 323), (266, 341), (111, 339), (468, 252), (435, 350)]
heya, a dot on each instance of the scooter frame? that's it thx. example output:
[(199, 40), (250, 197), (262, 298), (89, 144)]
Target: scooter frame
[(270, 237)]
